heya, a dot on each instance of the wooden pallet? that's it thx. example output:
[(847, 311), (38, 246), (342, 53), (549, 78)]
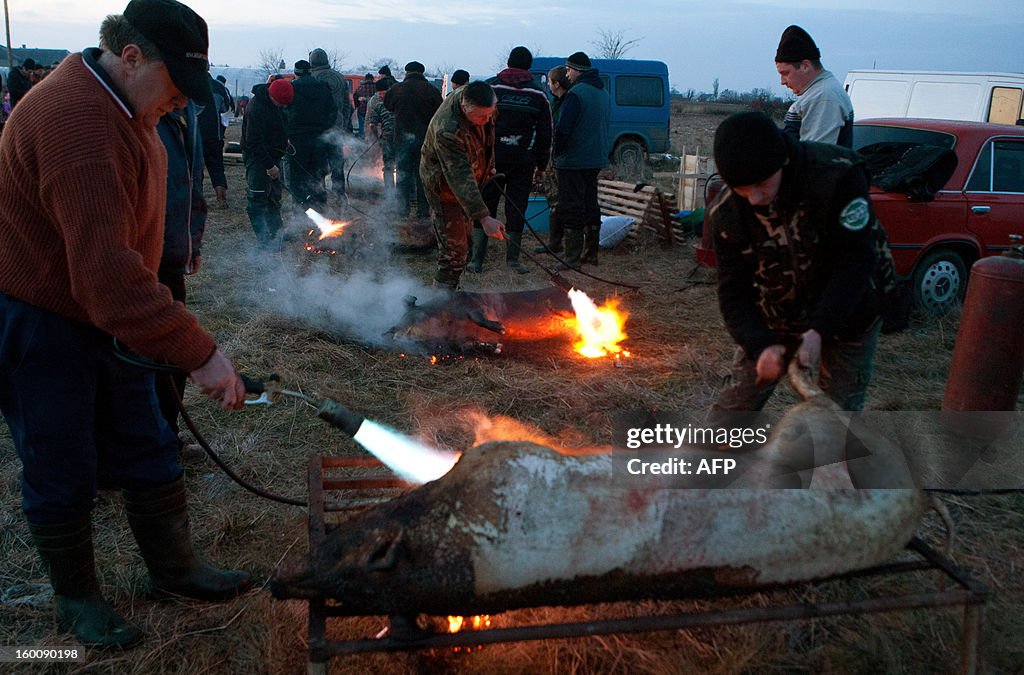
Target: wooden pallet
[(648, 205)]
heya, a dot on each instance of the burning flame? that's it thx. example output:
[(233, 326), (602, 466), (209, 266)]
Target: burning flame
[(457, 623), (327, 227), (600, 328)]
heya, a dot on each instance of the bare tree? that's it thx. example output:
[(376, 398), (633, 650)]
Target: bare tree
[(271, 60), (714, 85), (612, 44)]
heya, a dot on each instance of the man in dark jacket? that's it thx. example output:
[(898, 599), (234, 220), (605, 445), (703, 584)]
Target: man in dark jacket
[(338, 84), (18, 82), (802, 261), (311, 113), (211, 128), (522, 147), (264, 141), (458, 157), (184, 224), (413, 101), (580, 152)]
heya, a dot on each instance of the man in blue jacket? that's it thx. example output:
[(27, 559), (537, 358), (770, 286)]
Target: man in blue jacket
[(184, 224), (580, 152)]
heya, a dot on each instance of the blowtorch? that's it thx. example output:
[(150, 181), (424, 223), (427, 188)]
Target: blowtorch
[(407, 457)]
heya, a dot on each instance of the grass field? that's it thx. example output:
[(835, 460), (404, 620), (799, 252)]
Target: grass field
[(309, 318)]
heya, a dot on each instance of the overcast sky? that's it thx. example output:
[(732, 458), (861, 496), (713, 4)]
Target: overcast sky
[(731, 40)]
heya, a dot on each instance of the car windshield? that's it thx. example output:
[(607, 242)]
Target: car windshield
[(873, 134)]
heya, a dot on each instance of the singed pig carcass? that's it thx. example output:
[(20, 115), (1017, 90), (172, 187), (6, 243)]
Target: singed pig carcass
[(515, 524), (459, 321)]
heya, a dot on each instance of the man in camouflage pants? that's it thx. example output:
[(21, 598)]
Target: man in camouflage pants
[(456, 160), (803, 263)]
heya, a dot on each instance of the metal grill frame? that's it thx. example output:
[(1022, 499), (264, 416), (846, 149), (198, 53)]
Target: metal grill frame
[(362, 491)]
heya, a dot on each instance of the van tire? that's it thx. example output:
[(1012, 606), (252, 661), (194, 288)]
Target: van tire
[(629, 159)]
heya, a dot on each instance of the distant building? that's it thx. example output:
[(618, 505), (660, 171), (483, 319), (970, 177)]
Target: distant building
[(44, 57)]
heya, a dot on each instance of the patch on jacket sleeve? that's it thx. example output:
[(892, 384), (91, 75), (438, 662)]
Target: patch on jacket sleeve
[(856, 215)]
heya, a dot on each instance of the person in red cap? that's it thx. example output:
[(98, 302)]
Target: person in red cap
[(822, 111), (264, 141), (803, 263), (82, 201)]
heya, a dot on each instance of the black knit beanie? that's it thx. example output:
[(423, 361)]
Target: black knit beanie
[(795, 46), (302, 67), (748, 149), (520, 57), (414, 67), (578, 61), (460, 76)]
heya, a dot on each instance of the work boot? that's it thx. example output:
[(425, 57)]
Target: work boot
[(81, 609), (158, 516), (591, 244), (573, 249), (478, 250), (513, 244)]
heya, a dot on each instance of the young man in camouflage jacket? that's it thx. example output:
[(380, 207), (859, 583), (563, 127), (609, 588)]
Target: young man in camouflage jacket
[(803, 262), (456, 160)]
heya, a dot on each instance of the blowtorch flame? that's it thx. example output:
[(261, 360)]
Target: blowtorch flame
[(600, 328), (405, 456), (327, 227)]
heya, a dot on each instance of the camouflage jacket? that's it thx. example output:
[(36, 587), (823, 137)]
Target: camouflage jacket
[(816, 258), (457, 157)]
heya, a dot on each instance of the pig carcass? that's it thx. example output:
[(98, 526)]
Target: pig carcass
[(459, 322), (515, 524)]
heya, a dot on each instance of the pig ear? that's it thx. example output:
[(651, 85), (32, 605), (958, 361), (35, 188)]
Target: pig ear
[(385, 556)]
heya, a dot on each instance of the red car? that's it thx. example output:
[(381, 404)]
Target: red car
[(947, 192), (943, 215)]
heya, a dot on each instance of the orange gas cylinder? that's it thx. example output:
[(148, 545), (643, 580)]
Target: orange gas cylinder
[(988, 358)]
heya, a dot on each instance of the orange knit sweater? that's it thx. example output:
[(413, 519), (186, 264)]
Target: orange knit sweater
[(82, 190)]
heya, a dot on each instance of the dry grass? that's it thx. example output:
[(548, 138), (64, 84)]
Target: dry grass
[(681, 353)]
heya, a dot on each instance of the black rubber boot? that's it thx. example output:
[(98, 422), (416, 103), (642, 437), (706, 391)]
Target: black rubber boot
[(591, 244), (573, 249), (159, 520), (555, 235), (513, 244), (81, 609), (478, 250)]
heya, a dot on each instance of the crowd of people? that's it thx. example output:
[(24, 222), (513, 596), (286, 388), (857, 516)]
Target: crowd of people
[(110, 204)]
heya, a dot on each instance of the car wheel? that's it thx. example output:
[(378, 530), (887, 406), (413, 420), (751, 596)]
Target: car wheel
[(629, 158), (940, 280)]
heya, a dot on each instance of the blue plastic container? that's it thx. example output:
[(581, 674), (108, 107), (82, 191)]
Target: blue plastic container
[(534, 216)]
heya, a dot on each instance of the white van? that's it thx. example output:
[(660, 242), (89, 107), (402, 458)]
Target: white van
[(978, 97)]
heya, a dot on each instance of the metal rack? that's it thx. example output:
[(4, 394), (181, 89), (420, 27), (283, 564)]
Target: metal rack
[(331, 493)]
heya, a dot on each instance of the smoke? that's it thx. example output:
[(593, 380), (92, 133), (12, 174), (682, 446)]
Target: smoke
[(360, 304)]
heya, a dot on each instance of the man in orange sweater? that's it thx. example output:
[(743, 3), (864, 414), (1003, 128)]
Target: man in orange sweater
[(81, 231)]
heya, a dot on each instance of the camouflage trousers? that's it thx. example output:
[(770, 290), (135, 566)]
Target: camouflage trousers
[(845, 373), (452, 226)]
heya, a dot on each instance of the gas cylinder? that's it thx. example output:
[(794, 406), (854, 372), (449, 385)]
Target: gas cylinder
[(988, 358)]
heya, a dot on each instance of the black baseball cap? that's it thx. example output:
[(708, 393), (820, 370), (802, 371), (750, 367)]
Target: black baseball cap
[(183, 40)]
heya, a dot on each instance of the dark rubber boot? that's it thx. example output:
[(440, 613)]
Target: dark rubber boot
[(513, 244), (81, 609), (591, 244), (159, 520), (555, 235), (573, 249), (478, 250)]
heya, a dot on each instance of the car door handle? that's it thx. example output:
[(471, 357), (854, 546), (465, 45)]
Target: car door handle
[(980, 209)]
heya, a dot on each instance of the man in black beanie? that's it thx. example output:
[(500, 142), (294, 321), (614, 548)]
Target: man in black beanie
[(803, 263), (823, 111), (522, 147), (581, 148)]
